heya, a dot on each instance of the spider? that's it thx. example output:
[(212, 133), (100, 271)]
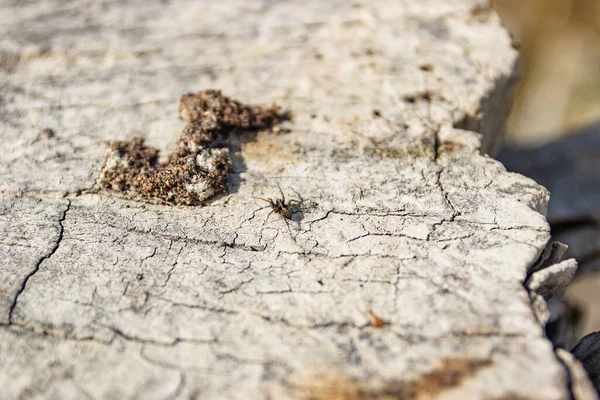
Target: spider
[(281, 207)]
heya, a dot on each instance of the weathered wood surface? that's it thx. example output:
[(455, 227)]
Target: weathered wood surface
[(103, 297), (568, 168)]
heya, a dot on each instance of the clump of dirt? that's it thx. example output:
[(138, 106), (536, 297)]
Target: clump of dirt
[(199, 166)]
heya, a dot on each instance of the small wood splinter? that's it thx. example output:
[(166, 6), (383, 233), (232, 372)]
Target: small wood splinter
[(375, 320)]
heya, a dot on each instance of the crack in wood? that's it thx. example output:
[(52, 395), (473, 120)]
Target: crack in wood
[(53, 250)]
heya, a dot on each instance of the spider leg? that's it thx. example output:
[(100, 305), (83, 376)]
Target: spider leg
[(267, 220), (289, 229), (263, 199), (297, 194), (282, 195)]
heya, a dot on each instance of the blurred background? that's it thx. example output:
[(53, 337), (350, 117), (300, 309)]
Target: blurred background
[(553, 136), (559, 42)]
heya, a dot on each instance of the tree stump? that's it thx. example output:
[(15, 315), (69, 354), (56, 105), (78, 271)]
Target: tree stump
[(398, 274)]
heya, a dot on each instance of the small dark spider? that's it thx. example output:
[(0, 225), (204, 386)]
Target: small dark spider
[(281, 207)]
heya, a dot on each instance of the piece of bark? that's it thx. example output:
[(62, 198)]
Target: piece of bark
[(552, 254), (111, 298), (552, 280), (587, 352)]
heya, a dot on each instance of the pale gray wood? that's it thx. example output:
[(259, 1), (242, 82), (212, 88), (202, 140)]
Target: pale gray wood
[(580, 378), (552, 280), (103, 297)]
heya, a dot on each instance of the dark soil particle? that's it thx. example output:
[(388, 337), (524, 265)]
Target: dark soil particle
[(48, 133), (199, 166)]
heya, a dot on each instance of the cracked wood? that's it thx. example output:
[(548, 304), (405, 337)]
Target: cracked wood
[(104, 297)]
